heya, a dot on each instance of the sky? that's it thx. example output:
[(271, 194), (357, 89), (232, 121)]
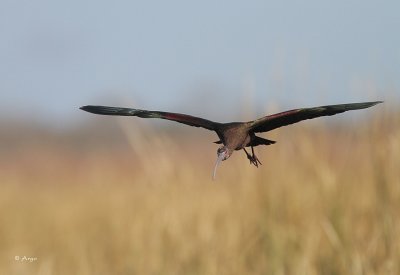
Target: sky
[(207, 58)]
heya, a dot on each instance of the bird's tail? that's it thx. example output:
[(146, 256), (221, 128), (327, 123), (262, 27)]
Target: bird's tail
[(256, 141), (106, 110), (262, 141)]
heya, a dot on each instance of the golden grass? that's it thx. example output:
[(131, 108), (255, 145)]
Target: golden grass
[(323, 202)]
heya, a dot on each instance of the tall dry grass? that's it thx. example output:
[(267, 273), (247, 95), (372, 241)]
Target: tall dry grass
[(325, 201)]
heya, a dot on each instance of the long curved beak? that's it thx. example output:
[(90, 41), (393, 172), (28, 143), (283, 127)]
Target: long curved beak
[(219, 159)]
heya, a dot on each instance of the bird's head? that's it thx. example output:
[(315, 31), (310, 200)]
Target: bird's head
[(223, 154)]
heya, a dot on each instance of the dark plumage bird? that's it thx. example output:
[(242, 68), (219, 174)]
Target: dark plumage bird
[(236, 135)]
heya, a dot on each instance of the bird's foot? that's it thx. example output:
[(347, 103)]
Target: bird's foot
[(254, 160)]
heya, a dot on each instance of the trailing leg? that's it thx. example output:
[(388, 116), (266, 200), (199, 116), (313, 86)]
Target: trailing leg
[(255, 157), (252, 158)]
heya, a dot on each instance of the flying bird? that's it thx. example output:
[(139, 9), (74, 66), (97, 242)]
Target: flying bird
[(235, 136)]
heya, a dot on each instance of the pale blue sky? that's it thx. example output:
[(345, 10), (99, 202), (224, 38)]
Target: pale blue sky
[(171, 55)]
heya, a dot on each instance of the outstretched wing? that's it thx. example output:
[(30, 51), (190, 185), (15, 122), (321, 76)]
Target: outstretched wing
[(181, 118), (271, 122)]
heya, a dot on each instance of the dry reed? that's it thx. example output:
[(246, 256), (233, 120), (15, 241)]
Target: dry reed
[(325, 201)]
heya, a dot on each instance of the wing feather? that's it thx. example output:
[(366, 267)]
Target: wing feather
[(271, 122), (181, 118)]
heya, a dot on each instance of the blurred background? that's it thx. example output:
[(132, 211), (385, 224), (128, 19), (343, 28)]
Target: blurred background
[(85, 194)]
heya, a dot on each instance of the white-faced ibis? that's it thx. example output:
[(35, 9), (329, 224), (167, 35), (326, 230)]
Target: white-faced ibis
[(236, 135)]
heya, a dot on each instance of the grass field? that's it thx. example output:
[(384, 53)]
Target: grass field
[(325, 201)]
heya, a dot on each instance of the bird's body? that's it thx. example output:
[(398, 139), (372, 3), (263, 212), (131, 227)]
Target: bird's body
[(236, 135)]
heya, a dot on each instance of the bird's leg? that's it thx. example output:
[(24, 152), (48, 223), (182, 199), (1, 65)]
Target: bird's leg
[(252, 158), (249, 157), (255, 157)]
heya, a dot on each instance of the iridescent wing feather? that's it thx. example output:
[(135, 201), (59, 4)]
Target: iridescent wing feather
[(272, 122), (181, 118)]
